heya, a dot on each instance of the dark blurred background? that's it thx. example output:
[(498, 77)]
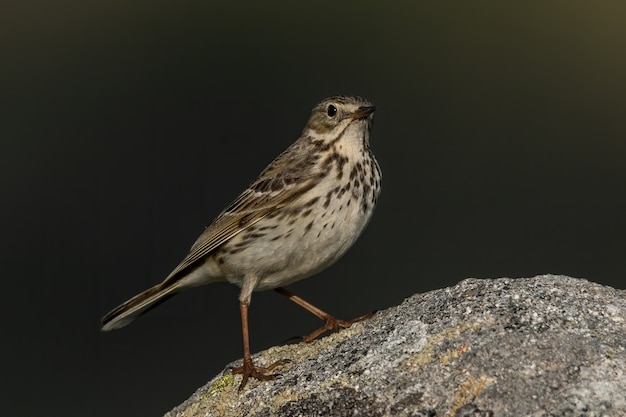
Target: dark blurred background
[(127, 126)]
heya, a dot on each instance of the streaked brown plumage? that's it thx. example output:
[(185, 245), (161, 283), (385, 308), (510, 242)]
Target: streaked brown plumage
[(300, 216)]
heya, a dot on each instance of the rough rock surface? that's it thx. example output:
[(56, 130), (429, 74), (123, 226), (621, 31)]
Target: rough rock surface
[(542, 346)]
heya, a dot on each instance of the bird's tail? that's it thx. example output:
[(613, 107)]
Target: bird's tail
[(123, 314)]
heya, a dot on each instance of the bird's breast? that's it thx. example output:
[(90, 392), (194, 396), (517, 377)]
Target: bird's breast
[(309, 234)]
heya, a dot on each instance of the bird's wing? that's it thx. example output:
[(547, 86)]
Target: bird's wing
[(283, 181)]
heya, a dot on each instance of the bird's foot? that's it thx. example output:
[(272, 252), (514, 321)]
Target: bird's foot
[(248, 369), (333, 324)]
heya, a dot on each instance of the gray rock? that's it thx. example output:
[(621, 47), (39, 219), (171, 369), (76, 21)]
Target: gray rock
[(543, 346)]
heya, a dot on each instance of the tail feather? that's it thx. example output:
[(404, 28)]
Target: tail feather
[(143, 302)]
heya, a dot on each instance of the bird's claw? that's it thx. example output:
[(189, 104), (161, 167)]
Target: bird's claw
[(333, 324), (248, 369)]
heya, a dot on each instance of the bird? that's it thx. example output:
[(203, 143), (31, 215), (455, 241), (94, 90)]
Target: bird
[(302, 213)]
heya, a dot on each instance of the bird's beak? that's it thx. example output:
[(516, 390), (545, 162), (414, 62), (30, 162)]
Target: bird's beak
[(362, 112)]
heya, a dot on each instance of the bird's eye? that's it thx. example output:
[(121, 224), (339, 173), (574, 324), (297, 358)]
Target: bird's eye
[(331, 111)]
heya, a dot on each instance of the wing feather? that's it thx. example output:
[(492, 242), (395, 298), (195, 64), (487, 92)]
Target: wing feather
[(289, 176)]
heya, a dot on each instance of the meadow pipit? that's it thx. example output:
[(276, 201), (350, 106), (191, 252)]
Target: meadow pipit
[(300, 216)]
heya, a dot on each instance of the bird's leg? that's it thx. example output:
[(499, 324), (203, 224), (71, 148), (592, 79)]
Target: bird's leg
[(248, 369), (330, 323)]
